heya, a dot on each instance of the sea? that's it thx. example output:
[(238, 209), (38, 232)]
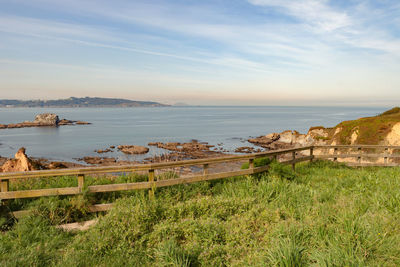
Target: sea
[(226, 126)]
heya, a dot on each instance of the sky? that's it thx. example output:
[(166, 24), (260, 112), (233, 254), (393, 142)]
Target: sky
[(205, 52)]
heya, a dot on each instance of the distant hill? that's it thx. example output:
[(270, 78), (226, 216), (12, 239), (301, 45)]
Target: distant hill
[(80, 102)]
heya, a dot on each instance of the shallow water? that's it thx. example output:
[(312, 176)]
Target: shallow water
[(139, 126)]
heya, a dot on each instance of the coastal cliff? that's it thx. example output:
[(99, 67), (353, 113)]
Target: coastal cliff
[(383, 129)]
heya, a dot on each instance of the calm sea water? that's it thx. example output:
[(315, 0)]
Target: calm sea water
[(139, 126)]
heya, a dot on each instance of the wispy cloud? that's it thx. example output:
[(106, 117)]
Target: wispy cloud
[(316, 13)]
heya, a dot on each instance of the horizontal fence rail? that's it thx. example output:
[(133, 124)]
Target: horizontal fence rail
[(293, 156), (372, 158)]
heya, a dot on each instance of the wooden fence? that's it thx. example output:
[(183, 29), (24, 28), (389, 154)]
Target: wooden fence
[(295, 155), (361, 154)]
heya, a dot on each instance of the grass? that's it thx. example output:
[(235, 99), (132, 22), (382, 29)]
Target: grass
[(325, 214)]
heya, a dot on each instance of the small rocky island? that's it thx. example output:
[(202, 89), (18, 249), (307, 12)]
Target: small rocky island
[(43, 120)]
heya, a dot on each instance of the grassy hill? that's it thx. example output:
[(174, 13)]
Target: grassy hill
[(367, 131), (323, 215), (371, 130)]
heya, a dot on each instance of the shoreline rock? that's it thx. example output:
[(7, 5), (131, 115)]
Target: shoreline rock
[(20, 163), (129, 149), (189, 150)]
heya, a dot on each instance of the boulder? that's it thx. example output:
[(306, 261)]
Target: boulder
[(261, 140), (318, 132), (20, 163), (47, 119), (273, 136), (133, 149), (287, 137), (57, 165)]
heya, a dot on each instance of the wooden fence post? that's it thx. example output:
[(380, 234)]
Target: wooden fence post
[(81, 182), (251, 164), (4, 186), (385, 159), (205, 169), (293, 158), (335, 151), (153, 186), (311, 154), (359, 157)]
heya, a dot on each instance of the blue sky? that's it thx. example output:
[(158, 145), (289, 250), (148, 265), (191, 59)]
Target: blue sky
[(226, 52)]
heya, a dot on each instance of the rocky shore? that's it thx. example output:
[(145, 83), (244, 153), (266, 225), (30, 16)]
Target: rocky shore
[(383, 129), (176, 151), (43, 120)]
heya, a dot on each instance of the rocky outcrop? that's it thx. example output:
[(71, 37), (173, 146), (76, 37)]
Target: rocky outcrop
[(49, 119), (20, 163), (57, 165), (378, 130), (189, 150), (101, 151), (289, 139), (46, 119), (104, 161), (393, 138), (133, 149), (247, 150)]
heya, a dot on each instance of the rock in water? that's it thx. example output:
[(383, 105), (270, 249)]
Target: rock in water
[(47, 119), (133, 149), (21, 163)]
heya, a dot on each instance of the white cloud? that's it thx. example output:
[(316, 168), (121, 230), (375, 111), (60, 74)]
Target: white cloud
[(316, 13)]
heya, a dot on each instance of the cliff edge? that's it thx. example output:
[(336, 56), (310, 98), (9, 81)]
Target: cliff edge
[(383, 129)]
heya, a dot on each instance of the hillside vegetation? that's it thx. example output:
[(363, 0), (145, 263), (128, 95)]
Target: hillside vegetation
[(323, 215)]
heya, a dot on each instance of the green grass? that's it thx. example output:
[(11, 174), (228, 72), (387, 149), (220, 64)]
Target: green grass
[(325, 214)]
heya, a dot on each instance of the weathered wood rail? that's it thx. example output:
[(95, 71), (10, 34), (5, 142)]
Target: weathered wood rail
[(386, 153), (296, 155)]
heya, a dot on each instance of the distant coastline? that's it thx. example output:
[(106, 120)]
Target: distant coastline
[(74, 102)]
